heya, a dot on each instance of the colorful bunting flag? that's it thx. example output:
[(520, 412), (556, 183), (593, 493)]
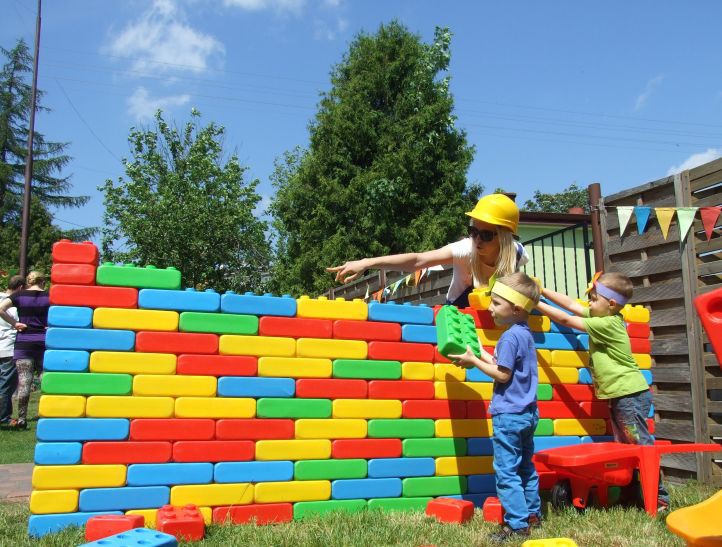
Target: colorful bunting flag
[(664, 217), (642, 214), (367, 293), (624, 214), (685, 217), (709, 219), (418, 274)]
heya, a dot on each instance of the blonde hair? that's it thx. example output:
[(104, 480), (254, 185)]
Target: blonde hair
[(505, 264), (522, 283), (35, 278), (617, 282)]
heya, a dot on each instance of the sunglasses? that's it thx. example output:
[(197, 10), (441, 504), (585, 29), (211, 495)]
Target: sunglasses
[(484, 235)]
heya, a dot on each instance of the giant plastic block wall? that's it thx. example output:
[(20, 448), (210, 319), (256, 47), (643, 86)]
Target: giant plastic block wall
[(271, 408)]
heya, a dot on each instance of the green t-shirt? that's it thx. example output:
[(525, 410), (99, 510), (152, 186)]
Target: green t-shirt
[(614, 370)]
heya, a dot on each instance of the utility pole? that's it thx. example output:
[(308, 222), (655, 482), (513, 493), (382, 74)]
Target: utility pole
[(29, 161)]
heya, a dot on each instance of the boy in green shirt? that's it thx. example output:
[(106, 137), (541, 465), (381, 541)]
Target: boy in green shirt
[(616, 375)]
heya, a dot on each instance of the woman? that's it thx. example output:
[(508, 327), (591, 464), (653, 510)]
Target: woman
[(489, 252), (8, 372)]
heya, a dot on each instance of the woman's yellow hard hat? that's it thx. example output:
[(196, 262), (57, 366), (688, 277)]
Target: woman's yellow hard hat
[(497, 209)]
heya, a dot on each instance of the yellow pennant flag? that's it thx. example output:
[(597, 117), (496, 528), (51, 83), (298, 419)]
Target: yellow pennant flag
[(664, 217)]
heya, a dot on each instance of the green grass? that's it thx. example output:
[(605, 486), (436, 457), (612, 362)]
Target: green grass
[(18, 446), (614, 527)]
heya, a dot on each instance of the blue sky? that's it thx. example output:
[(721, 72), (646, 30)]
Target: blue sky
[(550, 93)]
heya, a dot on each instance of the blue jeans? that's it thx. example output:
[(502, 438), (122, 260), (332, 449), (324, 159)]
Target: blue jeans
[(517, 482), (8, 383)]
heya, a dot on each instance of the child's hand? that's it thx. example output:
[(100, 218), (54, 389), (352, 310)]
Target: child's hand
[(465, 360)]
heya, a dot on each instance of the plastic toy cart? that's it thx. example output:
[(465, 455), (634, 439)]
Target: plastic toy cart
[(583, 467)]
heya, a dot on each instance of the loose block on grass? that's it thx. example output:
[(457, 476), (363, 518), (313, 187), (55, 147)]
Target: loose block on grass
[(185, 523), (132, 362), (67, 252), (294, 449), (188, 300), (43, 502), (130, 407), (331, 429), (213, 451), (86, 383), (82, 429), (401, 313), (70, 316), (57, 453), (323, 308), (112, 499), (212, 495), (93, 296), (218, 323), (329, 469), (137, 536), (295, 327), (269, 513), (41, 525), (331, 388), (493, 511), (366, 448), (304, 509), (292, 491), (450, 510), (366, 330), (102, 526), (401, 467), (61, 406), (255, 471), (419, 448), (256, 387), (255, 429), (169, 474), (65, 360), (176, 342), (89, 339), (363, 369), (294, 408), (172, 430), (126, 452), (128, 275), (366, 408), (253, 304), (135, 320), (60, 477), (214, 407)]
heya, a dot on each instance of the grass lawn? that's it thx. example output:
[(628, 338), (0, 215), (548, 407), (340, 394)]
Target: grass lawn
[(18, 446), (614, 527)]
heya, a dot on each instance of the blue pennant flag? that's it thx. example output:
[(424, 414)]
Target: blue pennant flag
[(642, 214)]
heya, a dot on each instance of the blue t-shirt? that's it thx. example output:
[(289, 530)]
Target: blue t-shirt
[(515, 351)]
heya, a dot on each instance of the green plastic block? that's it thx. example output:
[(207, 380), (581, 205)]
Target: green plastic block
[(455, 331), (303, 509), (86, 383), (293, 408), (544, 392), (400, 429), (129, 275), (544, 428), (433, 486), (399, 504), (434, 448), (310, 470), (218, 323), (366, 369)]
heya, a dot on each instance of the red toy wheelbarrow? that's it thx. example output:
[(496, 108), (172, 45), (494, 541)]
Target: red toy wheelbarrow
[(583, 467)]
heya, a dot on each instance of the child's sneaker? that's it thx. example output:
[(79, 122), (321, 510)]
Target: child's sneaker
[(662, 505), (506, 533), (534, 521)]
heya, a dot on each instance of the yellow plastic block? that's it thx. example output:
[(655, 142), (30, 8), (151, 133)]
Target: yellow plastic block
[(550, 542), (479, 299), (415, 370), (635, 314), (59, 477), (449, 373), (43, 502), (293, 367), (319, 449), (544, 357), (130, 407), (259, 346), (215, 407), (292, 491), (174, 386), (212, 495), (61, 406), (123, 362), (489, 337), (464, 465), (558, 375), (564, 358), (463, 391), (116, 318), (539, 323), (584, 426), (309, 428), (323, 308), (331, 349), (149, 515), (643, 360), (463, 428), (366, 408)]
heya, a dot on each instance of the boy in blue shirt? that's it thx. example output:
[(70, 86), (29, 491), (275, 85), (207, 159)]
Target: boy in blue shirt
[(513, 408)]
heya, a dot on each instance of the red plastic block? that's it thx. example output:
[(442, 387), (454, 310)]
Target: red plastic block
[(367, 330), (641, 345), (493, 511), (175, 342), (267, 513), (709, 309), (331, 389), (435, 410), (72, 274), (401, 389), (213, 451), (638, 330), (182, 522), (482, 318), (438, 358), (254, 429), (366, 448), (651, 425), (572, 392), (478, 409), (125, 452), (295, 327), (450, 510), (217, 365), (560, 409), (93, 296), (401, 351), (172, 429), (75, 253), (102, 526), (595, 409)]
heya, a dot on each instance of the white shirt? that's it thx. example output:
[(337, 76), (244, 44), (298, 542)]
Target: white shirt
[(7, 333)]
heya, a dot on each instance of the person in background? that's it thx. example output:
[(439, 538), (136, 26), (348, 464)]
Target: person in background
[(8, 372)]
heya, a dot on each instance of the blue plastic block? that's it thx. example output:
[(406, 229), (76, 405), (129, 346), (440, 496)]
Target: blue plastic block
[(585, 377), (169, 474), (350, 489), (597, 439), (187, 300), (70, 316), (425, 334), (253, 471), (583, 341), (242, 386), (40, 525), (90, 339), (58, 453), (401, 467), (83, 429), (258, 305), (66, 360), (122, 499), (475, 375), (647, 376), (554, 340), (542, 443), (477, 499), (479, 446), (556, 327), (138, 537), (420, 314), (480, 484)]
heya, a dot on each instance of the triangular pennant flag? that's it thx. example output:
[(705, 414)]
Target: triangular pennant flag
[(642, 214), (685, 217), (664, 217), (367, 293), (407, 280), (709, 219), (395, 286), (378, 295), (418, 274), (624, 214)]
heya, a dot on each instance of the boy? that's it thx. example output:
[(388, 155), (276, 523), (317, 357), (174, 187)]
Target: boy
[(615, 372), (513, 408)]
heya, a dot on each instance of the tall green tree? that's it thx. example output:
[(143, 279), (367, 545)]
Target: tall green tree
[(561, 202), (385, 171), (182, 204)]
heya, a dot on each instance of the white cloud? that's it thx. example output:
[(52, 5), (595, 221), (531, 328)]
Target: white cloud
[(326, 31), (695, 160), (650, 88), (332, 3), (293, 6), (142, 106)]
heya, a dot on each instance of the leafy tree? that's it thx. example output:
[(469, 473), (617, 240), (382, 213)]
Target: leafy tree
[(183, 205), (385, 171), (573, 196)]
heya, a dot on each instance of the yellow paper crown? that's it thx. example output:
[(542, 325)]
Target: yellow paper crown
[(513, 296)]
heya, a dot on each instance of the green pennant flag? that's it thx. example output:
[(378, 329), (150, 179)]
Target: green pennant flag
[(685, 217)]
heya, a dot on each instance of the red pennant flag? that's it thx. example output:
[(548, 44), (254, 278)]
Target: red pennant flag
[(709, 219)]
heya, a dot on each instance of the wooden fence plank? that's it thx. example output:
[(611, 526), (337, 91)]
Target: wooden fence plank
[(668, 262)]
